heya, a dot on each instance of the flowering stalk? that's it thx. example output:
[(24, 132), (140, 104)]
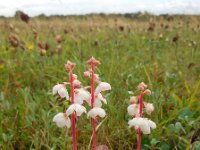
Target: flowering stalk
[(78, 96), (142, 125), (140, 114), (73, 114), (96, 97), (92, 104)]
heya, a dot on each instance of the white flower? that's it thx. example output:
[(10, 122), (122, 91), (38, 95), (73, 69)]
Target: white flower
[(97, 101), (96, 111), (133, 110), (61, 90), (149, 108), (103, 86), (62, 120), (81, 95), (144, 124), (79, 109)]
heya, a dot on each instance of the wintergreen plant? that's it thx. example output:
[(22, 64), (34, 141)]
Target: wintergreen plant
[(135, 109)]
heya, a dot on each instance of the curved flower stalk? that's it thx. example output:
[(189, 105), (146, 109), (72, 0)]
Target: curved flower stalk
[(76, 109), (135, 109), (96, 98)]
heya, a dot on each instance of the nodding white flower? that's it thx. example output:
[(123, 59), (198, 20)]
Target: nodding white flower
[(62, 120), (142, 86), (96, 111), (86, 74), (133, 110), (144, 124), (61, 90), (79, 109), (147, 92), (81, 95), (97, 100), (149, 108), (77, 83), (133, 99), (103, 86)]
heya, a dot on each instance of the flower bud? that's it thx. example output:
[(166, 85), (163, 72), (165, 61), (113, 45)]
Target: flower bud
[(86, 74), (69, 66), (142, 86), (147, 92), (133, 99), (149, 108)]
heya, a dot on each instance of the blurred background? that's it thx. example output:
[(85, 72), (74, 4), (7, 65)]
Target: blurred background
[(157, 42)]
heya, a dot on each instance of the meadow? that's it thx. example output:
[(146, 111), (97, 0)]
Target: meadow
[(162, 51)]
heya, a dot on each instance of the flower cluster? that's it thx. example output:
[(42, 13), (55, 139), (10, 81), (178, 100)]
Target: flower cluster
[(96, 104), (96, 96), (62, 119), (135, 110), (80, 96)]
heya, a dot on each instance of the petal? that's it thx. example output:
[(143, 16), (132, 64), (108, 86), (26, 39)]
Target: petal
[(61, 120), (133, 110), (96, 111), (145, 129), (97, 103), (55, 88), (152, 124), (70, 110), (79, 109), (63, 93), (81, 95), (100, 97), (103, 86)]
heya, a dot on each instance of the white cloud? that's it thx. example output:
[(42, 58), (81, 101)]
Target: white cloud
[(49, 7)]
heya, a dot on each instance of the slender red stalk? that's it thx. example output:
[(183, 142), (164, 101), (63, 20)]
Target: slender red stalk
[(73, 115), (92, 104), (139, 131)]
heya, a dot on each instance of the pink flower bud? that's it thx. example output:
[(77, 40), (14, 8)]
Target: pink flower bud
[(149, 108), (69, 66), (96, 78), (142, 86), (93, 61), (77, 83), (86, 74), (133, 99), (147, 92), (74, 76)]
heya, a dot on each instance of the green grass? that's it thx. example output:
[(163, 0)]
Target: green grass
[(129, 56)]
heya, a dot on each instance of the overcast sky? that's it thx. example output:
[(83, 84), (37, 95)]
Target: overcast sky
[(64, 7)]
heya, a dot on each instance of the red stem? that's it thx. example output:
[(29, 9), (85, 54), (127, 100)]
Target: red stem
[(92, 104), (73, 115), (139, 131)]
